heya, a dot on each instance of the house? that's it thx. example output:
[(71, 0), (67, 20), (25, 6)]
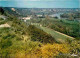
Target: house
[(26, 18), (13, 9), (39, 15)]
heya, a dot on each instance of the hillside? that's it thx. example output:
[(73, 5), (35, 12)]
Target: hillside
[(59, 37), (18, 39)]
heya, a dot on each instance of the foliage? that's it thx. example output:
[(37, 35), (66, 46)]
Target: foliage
[(70, 16), (46, 51), (22, 41), (53, 50), (71, 28), (39, 35), (75, 46), (5, 43)]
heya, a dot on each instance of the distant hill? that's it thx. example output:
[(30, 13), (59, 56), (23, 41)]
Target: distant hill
[(10, 11), (38, 11)]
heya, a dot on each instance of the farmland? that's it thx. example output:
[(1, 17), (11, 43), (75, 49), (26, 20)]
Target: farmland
[(68, 27), (59, 37)]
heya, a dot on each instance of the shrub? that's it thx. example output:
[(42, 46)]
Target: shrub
[(53, 50), (39, 35), (5, 43)]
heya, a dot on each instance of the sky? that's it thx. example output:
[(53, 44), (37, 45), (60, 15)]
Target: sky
[(40, 3)]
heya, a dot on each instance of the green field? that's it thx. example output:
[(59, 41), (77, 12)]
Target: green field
[(59, 37)]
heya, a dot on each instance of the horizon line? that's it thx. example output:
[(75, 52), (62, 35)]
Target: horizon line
[(33, 7)]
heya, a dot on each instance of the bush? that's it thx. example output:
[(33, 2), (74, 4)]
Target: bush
[(5, 43), (39, 35)]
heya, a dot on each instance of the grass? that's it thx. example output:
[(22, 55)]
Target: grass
[(62, 25), (58, 37)]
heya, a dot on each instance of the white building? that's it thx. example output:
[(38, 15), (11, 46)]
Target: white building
[(26, 18), (13, 9), (39, 15)]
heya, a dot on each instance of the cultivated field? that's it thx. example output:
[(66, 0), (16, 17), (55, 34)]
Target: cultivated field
[(59, 37)]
